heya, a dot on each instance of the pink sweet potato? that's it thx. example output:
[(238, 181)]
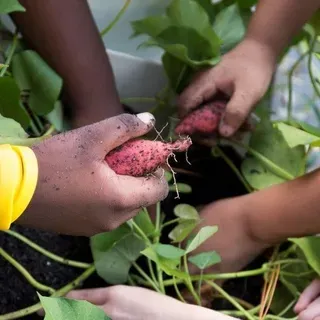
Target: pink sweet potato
[(139, 158), (204, 120)]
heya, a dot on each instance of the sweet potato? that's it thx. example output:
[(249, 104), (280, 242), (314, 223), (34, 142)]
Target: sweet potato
[(139, 157), (203, 121)]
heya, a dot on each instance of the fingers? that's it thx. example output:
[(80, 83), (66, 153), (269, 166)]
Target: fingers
[(97, 296), (202, 89), (312, 312), (237, 110), (307, 296), (111, 133), (143, 192)]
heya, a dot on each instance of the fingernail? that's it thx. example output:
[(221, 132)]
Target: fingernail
[(146, 117)]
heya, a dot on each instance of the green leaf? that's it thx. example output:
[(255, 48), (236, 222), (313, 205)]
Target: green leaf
[(230, 26), (8, 6), (310, 247), (190, 14), (203, 235), (186, 212), (308, 128), (247, 3), (55, 117), (269, 142), (296, 137), (32, 73), (67, 309), (151, 26), (142, 219), (168, 251), (113, 253), (187, 45), (167, 265), (178, 72), (182, 230), (205, 259), (209, 9), (10, 105), (11, 132)]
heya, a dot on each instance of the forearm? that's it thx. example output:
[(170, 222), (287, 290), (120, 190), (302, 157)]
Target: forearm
[(276, 22), (65, 35), (291, 209)]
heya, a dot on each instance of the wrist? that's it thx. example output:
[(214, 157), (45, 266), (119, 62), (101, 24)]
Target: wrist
[(253, 46)]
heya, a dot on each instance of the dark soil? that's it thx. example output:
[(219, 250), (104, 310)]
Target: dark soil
[(216, 181)]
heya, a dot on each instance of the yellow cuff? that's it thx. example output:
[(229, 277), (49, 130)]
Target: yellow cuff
[(18, 180)]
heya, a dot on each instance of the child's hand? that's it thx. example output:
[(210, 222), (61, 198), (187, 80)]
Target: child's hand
[(243, 74), (308, 305)]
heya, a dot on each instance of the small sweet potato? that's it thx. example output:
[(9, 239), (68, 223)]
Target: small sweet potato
[(139, 157), (203, 120)]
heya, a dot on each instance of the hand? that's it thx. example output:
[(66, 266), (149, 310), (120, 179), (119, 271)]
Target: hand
[(77, 193), (233, 241), (243, 74), (130, 303), (308, 305)]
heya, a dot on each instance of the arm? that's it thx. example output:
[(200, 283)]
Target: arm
[(275, 22), (65, 35), (286, 210), (244, 73)]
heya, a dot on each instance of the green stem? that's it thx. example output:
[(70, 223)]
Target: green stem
[(310, 52), (10, 55), (188, 282), (146, 277), (199, 284), (153, 276), (116, 19), (170, 222), (290, 76), (265, 161), (234, 168), (34, 129), (287, 308), (141, 233), (177, 290), (47, 253), (25, 273), (237, 305), (237, 313), (59, 293)]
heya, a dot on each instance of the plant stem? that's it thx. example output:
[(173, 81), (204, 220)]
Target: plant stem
[(34, 128), (146, 277), (25, 273), (59, 293), (265, 161), (234, 169), (170, 222), (177, 290), (287, 308), (47, 253), (188, 282), (310, 52), (153, 276), (199, 284), (141, 233), (231, 300), (237, 313), (290, 76), (116, 19), (10, 55)]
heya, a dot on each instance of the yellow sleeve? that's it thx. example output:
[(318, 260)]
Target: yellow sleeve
[(18, 181)]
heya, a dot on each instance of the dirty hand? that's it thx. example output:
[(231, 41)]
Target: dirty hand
[(308, 305), (129, 303), (77, 193), (243, 74)]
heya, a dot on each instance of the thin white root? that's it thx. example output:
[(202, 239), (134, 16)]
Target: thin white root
[(173, 176), (159, 132)]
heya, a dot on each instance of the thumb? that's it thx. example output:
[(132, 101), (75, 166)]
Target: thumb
[(108, 134), (237, 110)]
